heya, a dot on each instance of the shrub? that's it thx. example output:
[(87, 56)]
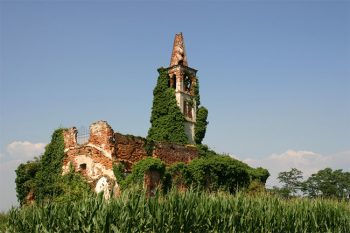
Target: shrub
[(139, 170), (218, 173), (25, 179), (180, 175)]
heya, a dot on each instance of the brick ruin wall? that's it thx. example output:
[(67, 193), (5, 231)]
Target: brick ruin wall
[(95, 158)]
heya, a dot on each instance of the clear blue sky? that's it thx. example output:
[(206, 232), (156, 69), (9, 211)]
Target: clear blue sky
[(275, 75)]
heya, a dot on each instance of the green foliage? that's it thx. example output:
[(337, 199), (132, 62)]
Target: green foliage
[(201, 124), (166, 182), (167, 121), (256, 188), (50, 168), (196, 93), (218, 173), (122, 178), (180, 175), (260, 174), (149, 146), (328, 183), (119, 172), (184, 212), (44, 176), (205, 152), (291, 180), (25, 179), (3, 221), (147, 164), (73, 187), (138, 172)]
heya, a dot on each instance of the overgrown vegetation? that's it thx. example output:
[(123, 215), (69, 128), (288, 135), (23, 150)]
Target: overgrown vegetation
[(50, 168), (201, 124), (167, 121), (138, 171), (43, 176), (25, 179), (211, 172), (218, 173), (184, 212)]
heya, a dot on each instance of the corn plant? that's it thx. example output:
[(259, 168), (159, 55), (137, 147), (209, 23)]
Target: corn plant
[(189, 211)]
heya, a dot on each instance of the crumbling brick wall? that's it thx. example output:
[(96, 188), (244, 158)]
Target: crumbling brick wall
[(101, 135), (129, 149), (95, 159), (70, 137), (172, 153)]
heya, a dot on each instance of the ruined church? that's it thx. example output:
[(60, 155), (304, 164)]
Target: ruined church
[(94, 158)]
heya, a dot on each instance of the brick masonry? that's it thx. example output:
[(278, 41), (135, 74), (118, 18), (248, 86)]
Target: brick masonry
[(95, 159)]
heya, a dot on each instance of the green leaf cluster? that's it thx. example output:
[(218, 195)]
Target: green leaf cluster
[(197, 97), (50, 168), (218, 173), (167, 121), (183, 212), (325, 183), (25, 181), (328, 183), (138, 171), (202, 115), (44, 178), (201, 124), (212, 172)]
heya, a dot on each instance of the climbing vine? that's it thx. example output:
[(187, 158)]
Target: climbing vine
[(167, 121), (197, 97), (50, 167), (201, 124), (43, 176)]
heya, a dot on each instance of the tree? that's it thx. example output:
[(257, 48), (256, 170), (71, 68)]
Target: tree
[(328, 183), (167, 121), (292, 182)]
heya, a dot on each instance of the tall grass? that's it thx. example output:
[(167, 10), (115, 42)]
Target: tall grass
[(184, 212)]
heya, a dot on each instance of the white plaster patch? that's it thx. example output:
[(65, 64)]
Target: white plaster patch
[(93, 169), (102, 186)]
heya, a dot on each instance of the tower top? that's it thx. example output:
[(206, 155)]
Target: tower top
[(178, 56)]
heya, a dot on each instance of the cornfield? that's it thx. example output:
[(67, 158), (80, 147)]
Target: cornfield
[(184, 212)]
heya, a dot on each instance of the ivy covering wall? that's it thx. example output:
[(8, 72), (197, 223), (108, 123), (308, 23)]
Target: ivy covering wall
[(202, 115), (43, 176), (212, 172), (167, 121), (201, 124)]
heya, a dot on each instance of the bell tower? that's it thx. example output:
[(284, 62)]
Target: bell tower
[(183, 79)]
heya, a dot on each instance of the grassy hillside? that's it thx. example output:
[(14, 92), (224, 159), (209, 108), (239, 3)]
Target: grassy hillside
[(184, 212)]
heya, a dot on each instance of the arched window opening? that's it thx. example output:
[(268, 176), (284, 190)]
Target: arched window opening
[(187, 109), (187, 84)]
